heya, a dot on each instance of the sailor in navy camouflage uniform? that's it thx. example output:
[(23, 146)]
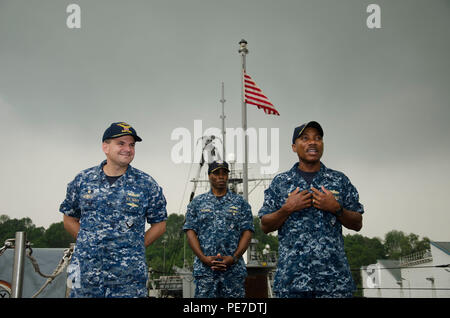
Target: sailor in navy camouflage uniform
[(308, 205), (105, 210), (219, 227)]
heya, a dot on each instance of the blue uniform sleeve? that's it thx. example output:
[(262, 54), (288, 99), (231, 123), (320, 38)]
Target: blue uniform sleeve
[(272, 201), (351, 197), (191, 218), (70, 206), (247, 220), (156, 211)]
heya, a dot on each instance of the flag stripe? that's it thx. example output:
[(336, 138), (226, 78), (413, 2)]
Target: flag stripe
[(260, 100), (254, 96), (267, 110), (253, 86), (260, 95)]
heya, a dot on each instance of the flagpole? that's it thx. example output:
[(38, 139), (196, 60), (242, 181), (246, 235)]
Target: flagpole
[(224, 157), (243, 51)]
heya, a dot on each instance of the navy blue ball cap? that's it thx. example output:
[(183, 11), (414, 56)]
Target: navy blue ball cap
[(215, 165), (299, 130), (120, 129)]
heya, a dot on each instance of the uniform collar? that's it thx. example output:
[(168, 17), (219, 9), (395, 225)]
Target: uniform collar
[(295, 171), (128, 175), (227, 195)]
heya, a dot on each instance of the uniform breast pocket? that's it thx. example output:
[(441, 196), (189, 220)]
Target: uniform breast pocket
[(206, 216), (232, 222), (87, 200), (133, 208), (205, 221), (337, 195), (133, 203), (131, 220)]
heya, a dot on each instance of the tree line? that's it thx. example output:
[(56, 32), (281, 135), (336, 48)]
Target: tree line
[(172, 248)]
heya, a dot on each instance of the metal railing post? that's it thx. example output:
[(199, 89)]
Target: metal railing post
[(19, 261)]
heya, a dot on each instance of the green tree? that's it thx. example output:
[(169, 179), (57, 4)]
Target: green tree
[(171, 249), (397, 244), (362, 251), (9, 227), (56, 236), (264, 239)]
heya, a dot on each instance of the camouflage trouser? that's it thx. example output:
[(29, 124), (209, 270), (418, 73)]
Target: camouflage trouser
[(314, 294), (94, 285), (118, 291), (219, 287)]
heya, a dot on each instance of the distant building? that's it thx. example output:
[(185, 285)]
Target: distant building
[(425, 274)]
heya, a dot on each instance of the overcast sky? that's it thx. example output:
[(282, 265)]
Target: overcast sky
[(381, 95)]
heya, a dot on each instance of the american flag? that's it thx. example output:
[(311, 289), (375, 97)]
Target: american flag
[(254, 95)]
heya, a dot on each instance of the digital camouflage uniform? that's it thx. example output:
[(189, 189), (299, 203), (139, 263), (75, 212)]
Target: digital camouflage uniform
[(219, 224), (109, 256), (311, 260)]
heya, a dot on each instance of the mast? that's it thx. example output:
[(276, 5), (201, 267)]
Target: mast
[(224, 157), (243, 51)]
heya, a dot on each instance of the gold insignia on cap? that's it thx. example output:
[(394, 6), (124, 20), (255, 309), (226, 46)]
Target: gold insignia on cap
[(125, 126)]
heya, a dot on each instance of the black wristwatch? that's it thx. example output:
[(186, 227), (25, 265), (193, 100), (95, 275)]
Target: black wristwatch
[(235, 259), (340, 211)]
